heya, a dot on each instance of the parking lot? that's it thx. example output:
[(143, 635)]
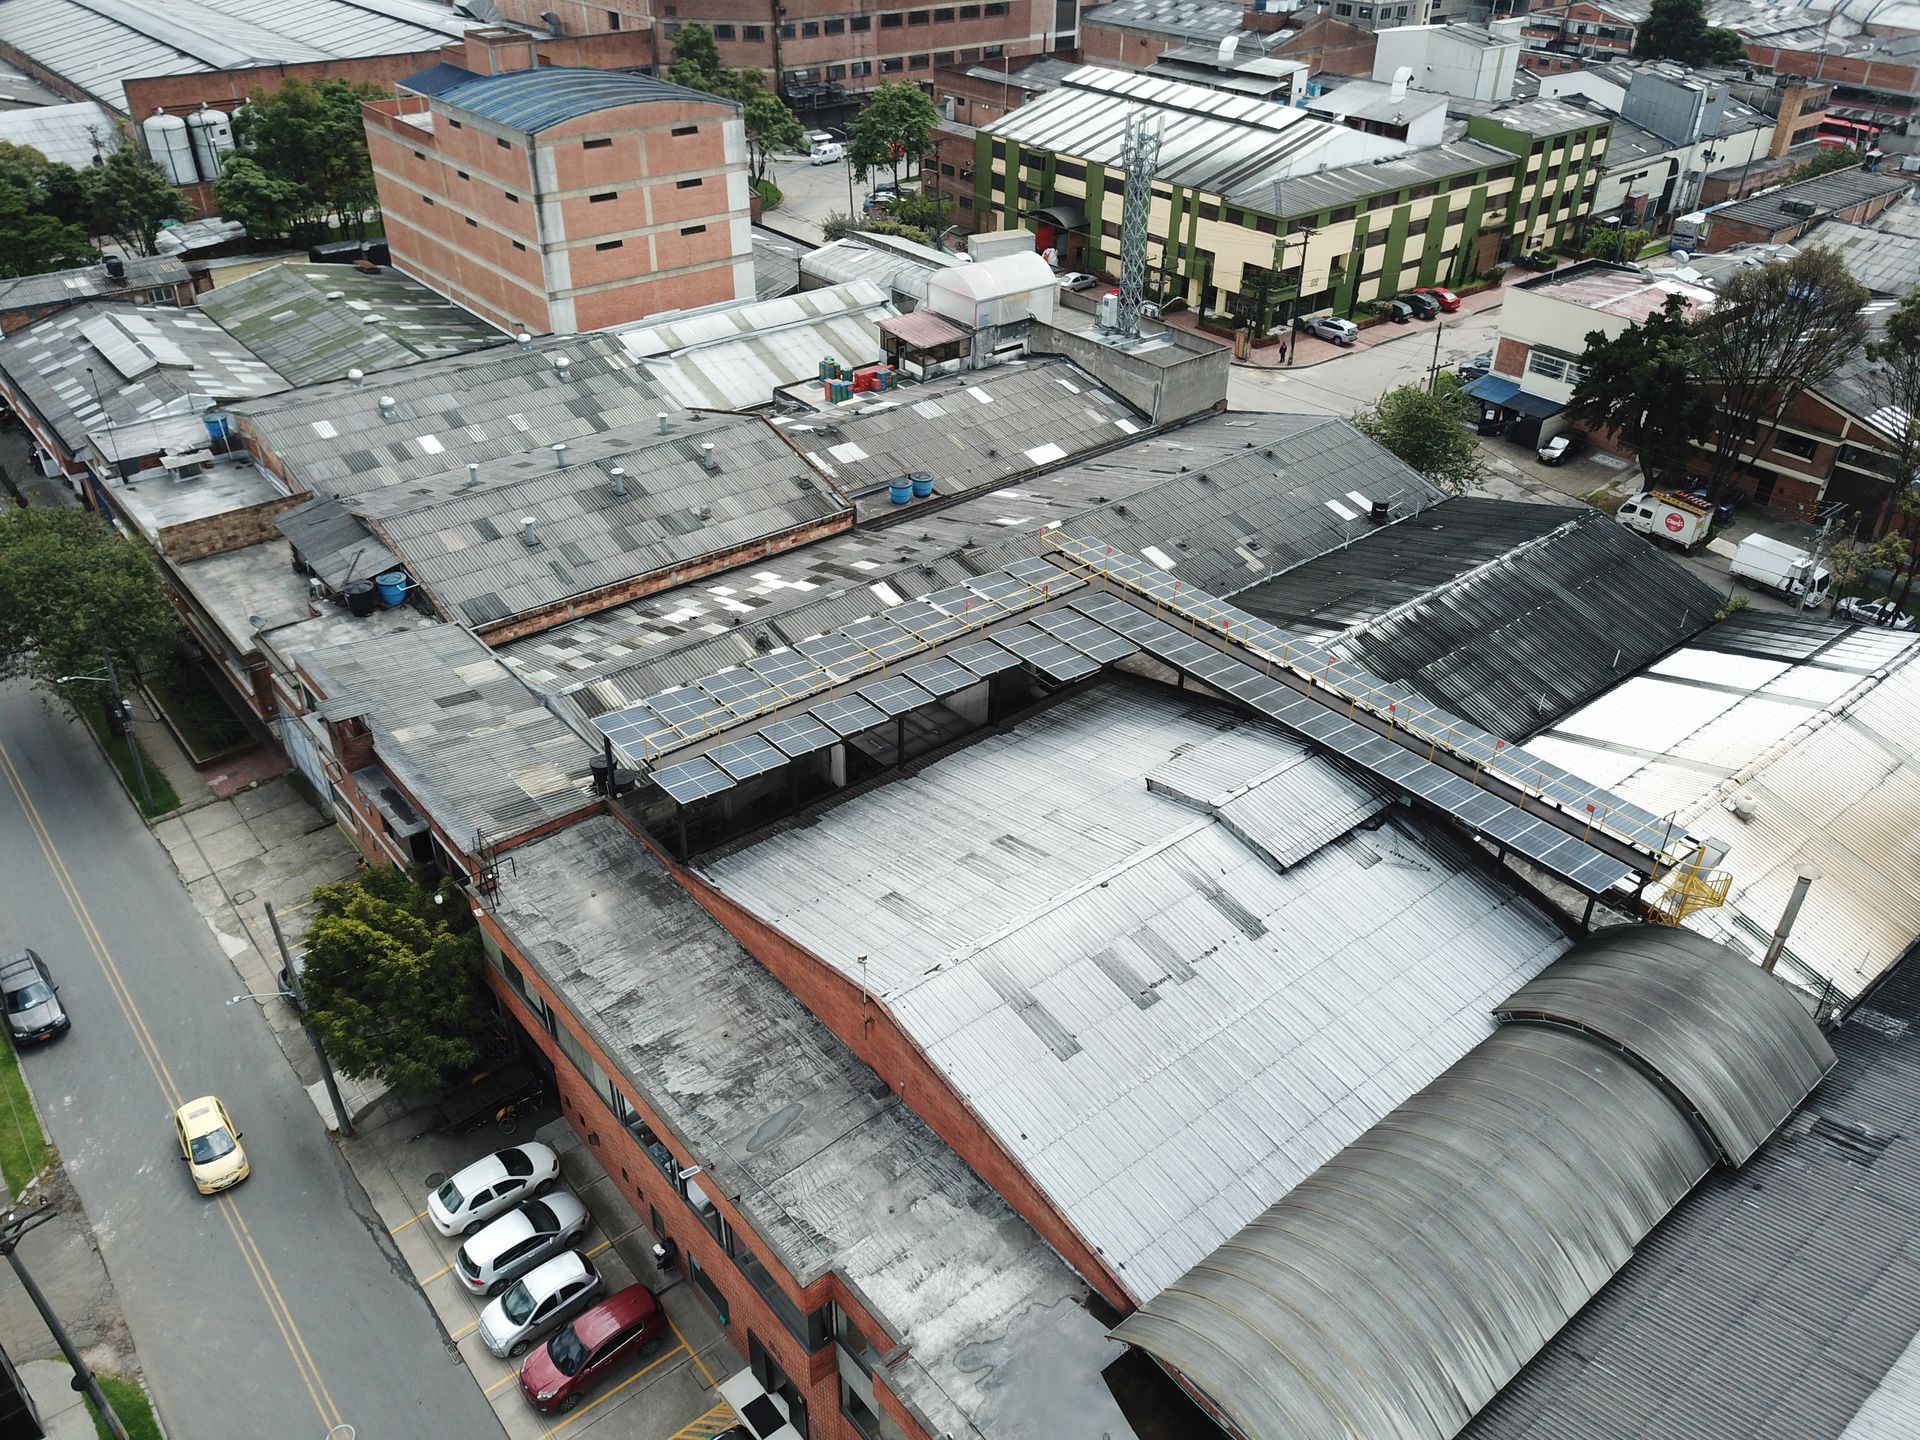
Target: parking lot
[(667, 1396)]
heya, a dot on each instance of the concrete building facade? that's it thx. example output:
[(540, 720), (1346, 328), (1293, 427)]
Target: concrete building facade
[(561, 200)]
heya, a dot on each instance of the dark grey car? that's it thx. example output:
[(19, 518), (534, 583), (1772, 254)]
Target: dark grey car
[(34, 1011)]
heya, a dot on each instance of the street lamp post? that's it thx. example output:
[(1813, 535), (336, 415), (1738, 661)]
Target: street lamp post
[(1306, 233), (123, 714), (12, 1227)]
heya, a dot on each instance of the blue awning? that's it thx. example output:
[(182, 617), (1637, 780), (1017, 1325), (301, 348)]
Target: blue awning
[(1507, 394)]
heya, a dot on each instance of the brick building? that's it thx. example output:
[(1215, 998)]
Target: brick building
[(564, 199), (1783, 215), (1583, 28), (1133, 34)]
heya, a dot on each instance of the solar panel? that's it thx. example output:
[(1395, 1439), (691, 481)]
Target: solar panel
[(731, 684), (940, 677), (692, 780), (883, 638), (800, 735), (632, 728), (780, 668), (1096, 642), (838, 656), (746, 757), (983, 658), (848, 716), (1045, 654), (1037, 570), (896, 696)]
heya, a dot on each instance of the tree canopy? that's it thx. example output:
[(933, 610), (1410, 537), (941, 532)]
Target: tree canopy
[(32, 243), (127, 196), (1425, 431), (310, 139), (1678, 30), (771, 124), (1640, 385), (393, 979), (892, 129), (68, 584)]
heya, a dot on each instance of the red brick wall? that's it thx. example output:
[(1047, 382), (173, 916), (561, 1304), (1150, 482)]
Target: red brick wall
[(1510, 356), (1128, 49)]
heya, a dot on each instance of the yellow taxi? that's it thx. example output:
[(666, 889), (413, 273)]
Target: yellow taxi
[(210, 1145)]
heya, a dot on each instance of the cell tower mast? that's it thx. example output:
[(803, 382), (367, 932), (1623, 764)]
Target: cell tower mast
[(1139, 157)]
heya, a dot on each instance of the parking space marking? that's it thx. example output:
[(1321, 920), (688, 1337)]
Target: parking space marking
[(708, 1425), (464, 1331), (511, 1376), (657, 1362), (424, 1279), (708, 1374), (404, 1223), (613, 1240)]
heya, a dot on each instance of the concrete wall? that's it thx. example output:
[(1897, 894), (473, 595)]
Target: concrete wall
[(1447, 64), (1196, 383)]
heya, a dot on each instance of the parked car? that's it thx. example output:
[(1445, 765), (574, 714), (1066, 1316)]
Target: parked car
[(210, 1145), (628, 1325), (34, 1011), (886, 193), (520, 1240), (826, 152), (1078, 280), (1398, 311), (1441, 296), (485, 1188), (546, 1295), (1330, 327), (1422, 305), (1874, 612), (1471, 370), (1562, 447)]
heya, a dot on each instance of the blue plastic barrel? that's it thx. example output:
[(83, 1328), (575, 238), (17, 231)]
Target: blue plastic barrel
[(922, 484), (900, 491), (393, 587)]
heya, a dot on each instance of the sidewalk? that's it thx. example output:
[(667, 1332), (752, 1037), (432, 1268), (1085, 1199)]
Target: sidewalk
[(1310, 350)]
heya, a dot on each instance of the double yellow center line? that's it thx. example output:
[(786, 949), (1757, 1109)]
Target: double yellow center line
[(256, 1262)]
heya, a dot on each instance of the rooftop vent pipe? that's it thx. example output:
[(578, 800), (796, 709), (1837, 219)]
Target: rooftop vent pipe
[(387, 402), (354, 377), (661, 421), (708, 460), (560, 454), (336, 294), (619, 477), (473, 473), (523, 338), (528, 533), (561, 365)]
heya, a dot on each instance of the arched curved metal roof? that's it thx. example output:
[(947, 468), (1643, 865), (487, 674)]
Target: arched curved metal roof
[(1396, 1290), (1730, 1039), (534, 100)]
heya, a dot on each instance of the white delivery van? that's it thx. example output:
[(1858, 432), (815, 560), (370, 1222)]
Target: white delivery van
[(1776, 565), (823, 149), (1677, 519)]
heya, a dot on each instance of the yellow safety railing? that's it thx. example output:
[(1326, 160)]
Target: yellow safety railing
[(1687, 888)]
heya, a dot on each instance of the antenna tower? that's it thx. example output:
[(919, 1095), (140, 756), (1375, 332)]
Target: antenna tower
[(1139, 157)]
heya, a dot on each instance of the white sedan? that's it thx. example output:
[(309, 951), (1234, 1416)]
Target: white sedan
[(538, 1301), (487, 1187), (1078, 280), (1874, 612)]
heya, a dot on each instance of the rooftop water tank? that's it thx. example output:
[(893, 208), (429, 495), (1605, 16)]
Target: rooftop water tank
[(211, 135), (171, 147)]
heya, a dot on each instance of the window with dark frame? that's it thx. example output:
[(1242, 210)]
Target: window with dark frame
[(603, 197), (601, 144)]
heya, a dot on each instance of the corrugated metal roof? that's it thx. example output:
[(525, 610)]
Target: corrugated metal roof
[(539, 99), (98, 44), (1396, 1290), (464, 539), (316, 322), (1166, 1030), (58, 286), (1515, 642), (333, 543), (1824, 750), (1778, 1301), (734, 357), (337, 438), (1655, 992), (469, 741), (1825, 193), (903, 277), (79, 134)]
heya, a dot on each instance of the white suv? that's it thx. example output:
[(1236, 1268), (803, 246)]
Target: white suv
[(1329, 327)]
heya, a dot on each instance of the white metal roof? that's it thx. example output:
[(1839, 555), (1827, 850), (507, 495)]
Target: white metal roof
[(66, 134), (99, 44), (1170, 1012), (1815, 725)]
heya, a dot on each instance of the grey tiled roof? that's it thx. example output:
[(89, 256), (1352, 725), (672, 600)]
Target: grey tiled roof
[(317, 322), (336, 439), (1344, 184), (469, 741), (1777, 1301), (463, 538), (144, 272), (1825, 193)]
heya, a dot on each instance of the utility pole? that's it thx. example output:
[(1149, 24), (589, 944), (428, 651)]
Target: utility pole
[(1433, 370), (298, 990), (12, 1227), (123, 712)]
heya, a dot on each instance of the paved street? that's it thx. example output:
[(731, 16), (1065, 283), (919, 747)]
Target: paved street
[(1361, 376), (279, 1310)]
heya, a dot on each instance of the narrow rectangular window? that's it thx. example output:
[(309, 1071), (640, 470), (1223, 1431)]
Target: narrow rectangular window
[(473, 222), (694, 230), (725, 32), (601, 144), (603, 196), (463, 174), (686, 184), (503, 144), (609, 244), (836, 27), (511, 197), (427, 199), (613, 20), (456, 124), (518, 246), (686, 130), (863, 22)]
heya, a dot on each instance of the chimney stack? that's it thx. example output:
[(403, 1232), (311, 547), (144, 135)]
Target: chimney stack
[(528, 533), (708, 460), (1807, 874)]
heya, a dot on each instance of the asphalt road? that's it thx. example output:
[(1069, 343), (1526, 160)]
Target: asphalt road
[(279, 1310)]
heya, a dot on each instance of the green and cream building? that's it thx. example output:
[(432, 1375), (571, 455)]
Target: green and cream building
[(1259, 207)]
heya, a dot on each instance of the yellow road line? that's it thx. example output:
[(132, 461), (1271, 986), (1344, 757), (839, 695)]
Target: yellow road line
[(404, 1223), (707, 1425), (592, 1405), (465, 1330), (170, 1090), (436, 1274), (507, 1381), (706, 1373), (612, 1240)]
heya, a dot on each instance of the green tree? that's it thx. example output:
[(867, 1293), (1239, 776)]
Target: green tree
[(1678, 30), (127, 196), (269, 206), (22, 167), (1610, 242), (1829, 159), (1775, 331), (696, 59), (771, 126), (70, 584), (32, 243), (393, 979), (1640, 385), (1893, 380), (312, 137), (1425, 431), (893, 129)]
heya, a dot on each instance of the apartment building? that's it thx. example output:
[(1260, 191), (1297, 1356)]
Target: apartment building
[(561, 199)]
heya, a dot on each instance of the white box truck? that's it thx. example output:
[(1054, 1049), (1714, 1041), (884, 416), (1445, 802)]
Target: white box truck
[(1677, 519), (1779, 566)]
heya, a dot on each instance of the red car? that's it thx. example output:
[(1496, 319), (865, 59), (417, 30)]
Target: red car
[(1441, 296), (628, 1325)]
